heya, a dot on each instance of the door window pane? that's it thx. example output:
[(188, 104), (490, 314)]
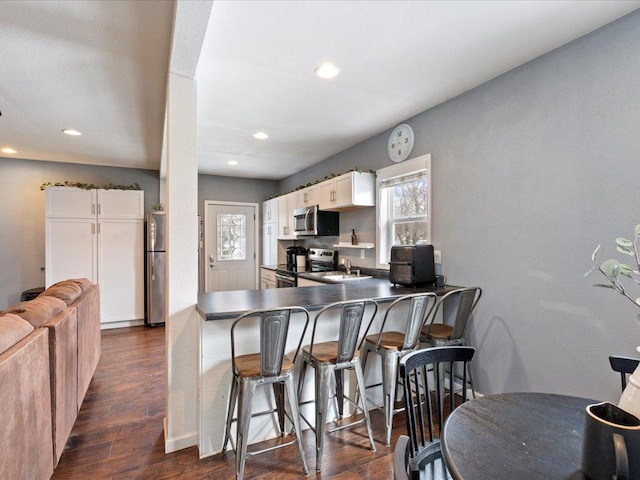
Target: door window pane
[(232, 237)]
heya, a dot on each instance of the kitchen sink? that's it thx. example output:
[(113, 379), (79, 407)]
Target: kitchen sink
[(345, 277), (340, 277)]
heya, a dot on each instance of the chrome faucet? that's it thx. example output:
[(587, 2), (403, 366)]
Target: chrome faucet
[(347, 265)]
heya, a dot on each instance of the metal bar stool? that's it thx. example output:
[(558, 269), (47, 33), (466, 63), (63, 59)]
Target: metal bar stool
[(334, 357), (268, 367), (457, 307), (393, 345)]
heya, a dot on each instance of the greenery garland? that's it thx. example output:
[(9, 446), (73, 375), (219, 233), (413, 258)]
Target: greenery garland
[(91, 186), (327, 177)]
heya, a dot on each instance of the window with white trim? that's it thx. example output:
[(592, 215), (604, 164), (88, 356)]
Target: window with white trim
[(403, 206)]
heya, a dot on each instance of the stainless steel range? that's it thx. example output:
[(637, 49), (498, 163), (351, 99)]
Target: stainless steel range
[(318, 259)]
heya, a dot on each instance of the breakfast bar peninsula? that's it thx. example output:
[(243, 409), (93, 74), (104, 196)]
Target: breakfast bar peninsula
[(218, 311)]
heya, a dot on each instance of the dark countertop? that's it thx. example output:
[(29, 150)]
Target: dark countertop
[(225, 305)]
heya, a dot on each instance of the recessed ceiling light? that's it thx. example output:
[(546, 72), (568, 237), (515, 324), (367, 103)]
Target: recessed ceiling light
[(260, 135), (8, 150), (326, 70), (72, 132), (232, 162)]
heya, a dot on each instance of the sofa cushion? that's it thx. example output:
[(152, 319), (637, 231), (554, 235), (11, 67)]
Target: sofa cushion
[(12, 330), (38, 311), (67, 290)]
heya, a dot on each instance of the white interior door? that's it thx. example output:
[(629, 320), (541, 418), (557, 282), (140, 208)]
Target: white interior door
[(230, 258)]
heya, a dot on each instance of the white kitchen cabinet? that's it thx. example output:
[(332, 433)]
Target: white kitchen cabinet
[(307, 196), (267, 278), (270, 232), (98, 234), (270, 243), (286, 206), (353, 189), (305, 282), (270, 210)]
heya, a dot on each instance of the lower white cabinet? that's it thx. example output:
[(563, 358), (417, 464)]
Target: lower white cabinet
[(270, 243), (267, 278), (121, 270), (305, 282)]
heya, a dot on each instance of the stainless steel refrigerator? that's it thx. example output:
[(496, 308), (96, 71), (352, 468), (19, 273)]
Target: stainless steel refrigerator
[(156, 269)]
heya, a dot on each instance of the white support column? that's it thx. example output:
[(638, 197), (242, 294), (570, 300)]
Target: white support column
[(182, 264)]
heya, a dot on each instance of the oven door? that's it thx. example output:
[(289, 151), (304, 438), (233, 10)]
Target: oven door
[(285, 281)]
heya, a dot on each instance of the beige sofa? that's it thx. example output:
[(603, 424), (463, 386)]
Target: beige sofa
[(69, 313), (25, 416)]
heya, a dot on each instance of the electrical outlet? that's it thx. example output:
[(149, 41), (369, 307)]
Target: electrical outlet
[(362, 253), (437, 257)]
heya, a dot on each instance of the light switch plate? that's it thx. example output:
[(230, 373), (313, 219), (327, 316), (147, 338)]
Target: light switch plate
[(437, 257)]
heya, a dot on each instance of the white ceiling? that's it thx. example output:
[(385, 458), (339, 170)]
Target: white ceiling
[(101, 67)]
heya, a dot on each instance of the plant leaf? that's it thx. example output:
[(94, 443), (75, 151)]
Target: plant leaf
[(611, 268), (603, 285), (595, 252), (625, 270), (638, 301), (623, 242), (626, 251), (638, 318), (637, 230)]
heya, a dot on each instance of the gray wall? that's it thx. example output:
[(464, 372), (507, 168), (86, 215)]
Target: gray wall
[(531, 172), (22, 214), (234, 189)]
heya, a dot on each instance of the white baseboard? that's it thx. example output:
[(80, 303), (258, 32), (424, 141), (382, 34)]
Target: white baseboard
[(178, 443), (121, 324)]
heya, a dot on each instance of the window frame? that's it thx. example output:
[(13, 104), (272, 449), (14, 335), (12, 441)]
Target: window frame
[(411, 169)]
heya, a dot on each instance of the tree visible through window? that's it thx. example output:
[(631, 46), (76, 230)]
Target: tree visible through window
[(408, 217), (232, 237)]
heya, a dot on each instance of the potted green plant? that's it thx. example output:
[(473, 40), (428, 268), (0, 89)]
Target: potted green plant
[(617, 274)]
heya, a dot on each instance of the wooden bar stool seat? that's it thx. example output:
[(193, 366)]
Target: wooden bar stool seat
[(326, 352), (249, 365)]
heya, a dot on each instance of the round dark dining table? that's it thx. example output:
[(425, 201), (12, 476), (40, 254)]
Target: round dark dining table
[(516, 436)]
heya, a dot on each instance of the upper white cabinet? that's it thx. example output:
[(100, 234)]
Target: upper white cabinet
[(286, 206), (98, 234), (307, 196), (121, 204), (353, 189), (69, 202), (66, 202), (270, 210)]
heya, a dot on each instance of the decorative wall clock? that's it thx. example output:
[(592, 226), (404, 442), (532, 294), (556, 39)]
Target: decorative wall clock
[(400, 142)]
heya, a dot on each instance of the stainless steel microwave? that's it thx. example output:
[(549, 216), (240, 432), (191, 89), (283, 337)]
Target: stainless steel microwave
[(311, 222)]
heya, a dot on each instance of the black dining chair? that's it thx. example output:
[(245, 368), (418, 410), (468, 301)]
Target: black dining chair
[(418, 454), (624, 366)]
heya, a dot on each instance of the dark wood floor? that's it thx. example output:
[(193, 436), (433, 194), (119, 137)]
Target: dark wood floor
[(119, 434)]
